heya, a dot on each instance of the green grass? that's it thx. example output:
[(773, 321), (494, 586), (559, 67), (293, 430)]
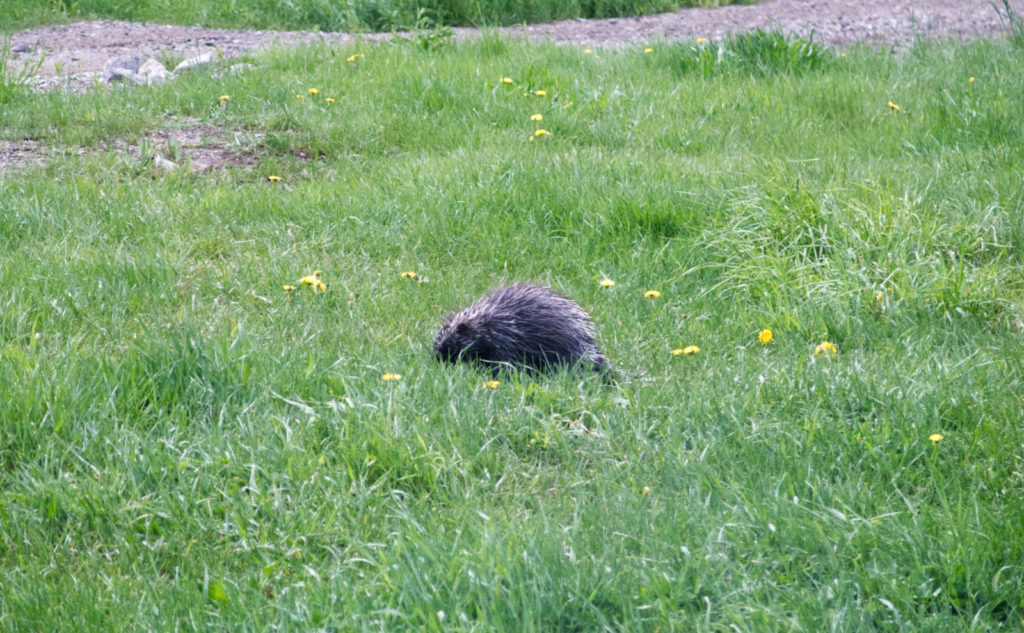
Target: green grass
[(332, 15), (186, 445)]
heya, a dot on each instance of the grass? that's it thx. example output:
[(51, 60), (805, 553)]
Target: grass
[(186, 445), (333, 15)]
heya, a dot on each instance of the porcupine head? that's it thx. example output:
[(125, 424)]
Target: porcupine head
[(460, 339)]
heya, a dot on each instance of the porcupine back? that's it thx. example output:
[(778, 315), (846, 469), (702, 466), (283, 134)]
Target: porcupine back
[(524, 326)]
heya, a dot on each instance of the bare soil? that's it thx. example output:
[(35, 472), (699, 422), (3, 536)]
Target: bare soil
[(72, 56)]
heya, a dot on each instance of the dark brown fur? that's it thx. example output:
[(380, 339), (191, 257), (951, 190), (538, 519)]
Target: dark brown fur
[(520, 326)]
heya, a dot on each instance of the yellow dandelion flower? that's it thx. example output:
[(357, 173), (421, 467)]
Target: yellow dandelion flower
[(537, 117), (289, 287), (606, 283), (298, 96), (690, 349), (970, 80), (319, 286), (273, 178), (389, 377), (842, 54), (879, 295), (648, 50), (224, 97), (540, 93), (935, 438), (353, 58), (311, 280), (825, 347), (541, 133), (313, 91), (652, 294), (894, 107), (646, 490), (587, 51), (491, 384), (507, 80), (765, 336), (409, 275), (329, 100), (701, 40)]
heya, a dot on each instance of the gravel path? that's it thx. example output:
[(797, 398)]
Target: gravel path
[(72, 55)]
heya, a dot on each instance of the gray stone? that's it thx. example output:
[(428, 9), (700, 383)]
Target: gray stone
[(194, 62), (164, 164), (24, 47), (153, 72), (120, 69)]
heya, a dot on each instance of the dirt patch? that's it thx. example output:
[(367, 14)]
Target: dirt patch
[(185, 144), (201, 148)]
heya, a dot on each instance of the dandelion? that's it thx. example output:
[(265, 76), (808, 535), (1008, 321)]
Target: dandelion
[(935, 438), (319, 286), (353, 58), (298, 96), (606, 283), (329, 100), (587, 51), (970, 80), (646, 490), (540, 93), (224, 98), (686, 351), (313, 91), (825, 347), (648, 50), (878, 296), (842, 54), (537, 117), (507, 80), (311, 280), (895, 108), (273, 178), (652, 294), (289, 287), (701, 40), (409, 275), (388, 377), (765, 336), (491, 384), (541, 133)]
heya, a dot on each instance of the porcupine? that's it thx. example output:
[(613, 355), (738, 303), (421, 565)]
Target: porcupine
[(521, 326)]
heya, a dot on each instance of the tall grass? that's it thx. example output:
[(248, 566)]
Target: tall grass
[(184, 444)]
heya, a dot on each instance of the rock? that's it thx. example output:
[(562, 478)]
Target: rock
[(121, 68), (163, 163), (153, 72), (24, 47), (194, 62)]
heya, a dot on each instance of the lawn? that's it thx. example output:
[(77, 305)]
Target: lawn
[(187, 445)]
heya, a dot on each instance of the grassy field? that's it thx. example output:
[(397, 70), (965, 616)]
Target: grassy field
[(186, 445), (332, 15)]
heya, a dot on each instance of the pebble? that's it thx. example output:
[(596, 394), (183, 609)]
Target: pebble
[(24, 47)]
